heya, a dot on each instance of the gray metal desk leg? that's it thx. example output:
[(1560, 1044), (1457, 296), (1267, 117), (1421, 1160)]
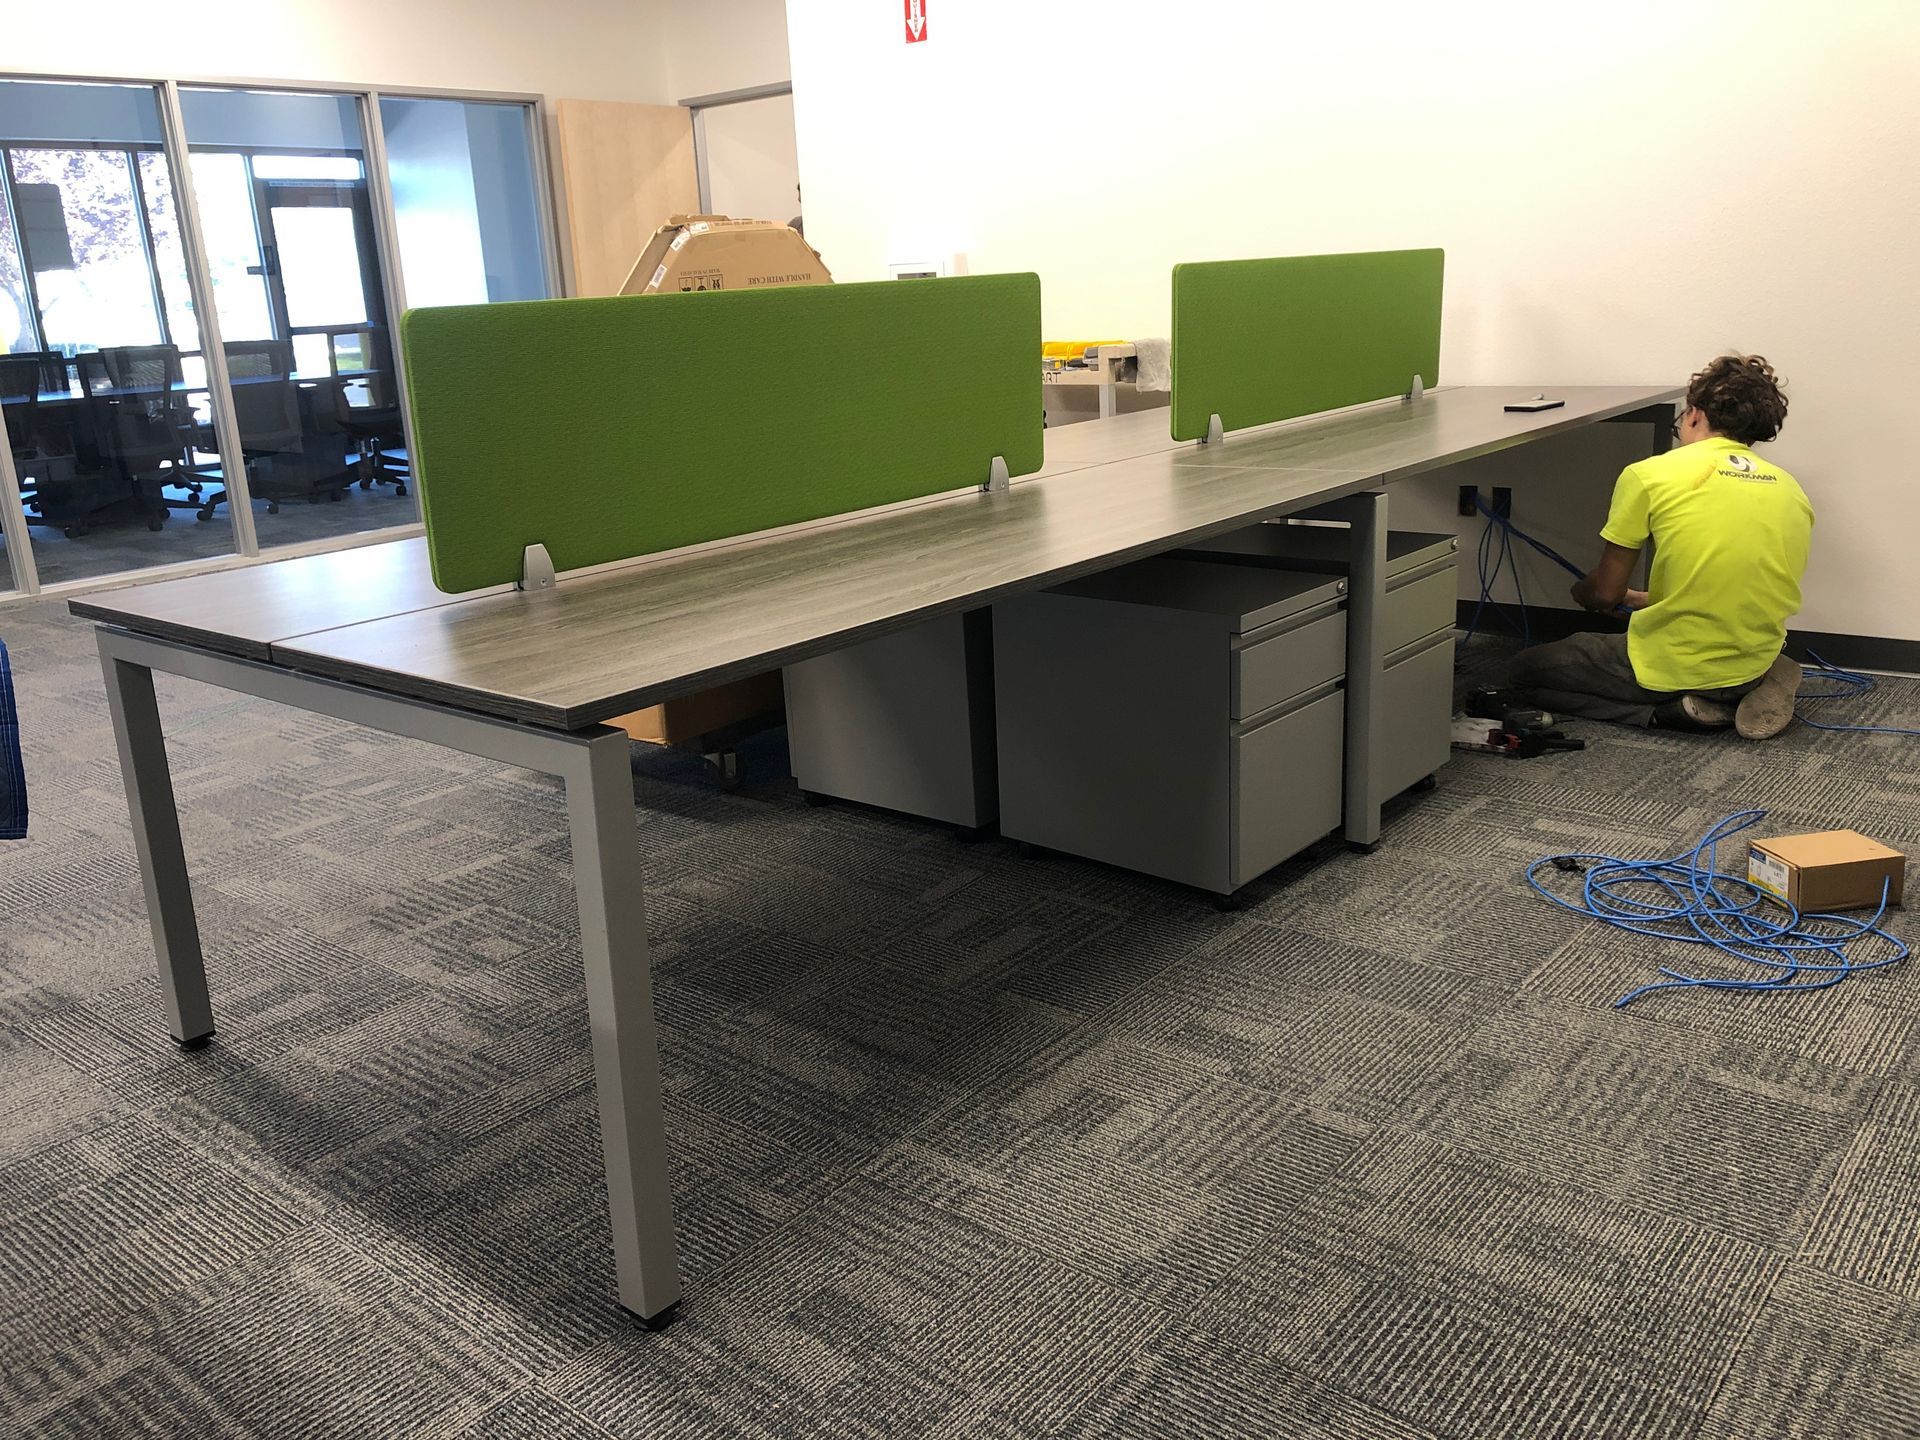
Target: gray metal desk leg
[(156, 837), (626, 1057), (1366, 591)]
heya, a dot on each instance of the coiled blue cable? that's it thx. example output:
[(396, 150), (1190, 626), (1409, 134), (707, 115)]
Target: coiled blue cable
[(1847, 685), (1685, 898)]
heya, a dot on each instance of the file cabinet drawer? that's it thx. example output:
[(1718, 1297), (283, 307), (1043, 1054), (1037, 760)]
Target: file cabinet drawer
[(1286, 785), (1268, 671), (1414, 609)]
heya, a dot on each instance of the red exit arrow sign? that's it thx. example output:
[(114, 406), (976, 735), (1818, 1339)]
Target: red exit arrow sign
[(916, 21)]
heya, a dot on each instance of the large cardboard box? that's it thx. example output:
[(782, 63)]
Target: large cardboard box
[(688, 254), (1827, 870), (713, 252)]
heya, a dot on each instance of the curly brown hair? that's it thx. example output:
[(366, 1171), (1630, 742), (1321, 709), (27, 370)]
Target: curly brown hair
[(1741, 398)]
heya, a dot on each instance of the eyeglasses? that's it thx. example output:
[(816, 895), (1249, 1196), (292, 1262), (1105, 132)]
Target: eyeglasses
[(1679, 419)]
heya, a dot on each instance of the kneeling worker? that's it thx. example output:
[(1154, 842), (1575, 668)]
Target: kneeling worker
[(1730, 534)]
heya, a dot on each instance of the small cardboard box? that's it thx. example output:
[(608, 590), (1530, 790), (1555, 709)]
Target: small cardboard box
[(1828, 870), (716, 252)]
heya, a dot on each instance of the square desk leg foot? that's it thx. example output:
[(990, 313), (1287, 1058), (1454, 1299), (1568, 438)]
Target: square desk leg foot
[(198, 1042), (1363, 847), (658, 1321)]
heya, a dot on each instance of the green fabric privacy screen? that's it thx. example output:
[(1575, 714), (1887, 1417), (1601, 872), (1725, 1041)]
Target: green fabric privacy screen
[(1256, 341), (605, 429)]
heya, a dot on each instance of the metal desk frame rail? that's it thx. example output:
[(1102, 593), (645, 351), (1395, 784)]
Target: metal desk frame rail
[(594, 765)]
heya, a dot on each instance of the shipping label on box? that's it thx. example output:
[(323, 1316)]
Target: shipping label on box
[(1768, 872)]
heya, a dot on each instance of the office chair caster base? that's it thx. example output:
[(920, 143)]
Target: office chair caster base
[(726, 767), (273, 507), (654, 1322), (73, 532), (400, 490), (1424, 786), (198, 1042), (155, 522)]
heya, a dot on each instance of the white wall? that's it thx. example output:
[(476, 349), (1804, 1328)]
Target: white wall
[(752, 166), (589, 49), (1623, 190), (712, 46)]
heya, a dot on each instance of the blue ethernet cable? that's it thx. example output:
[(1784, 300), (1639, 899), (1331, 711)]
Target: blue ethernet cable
[(1685, 898)]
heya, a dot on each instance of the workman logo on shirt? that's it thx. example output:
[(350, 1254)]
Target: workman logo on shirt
[(1742, 467)]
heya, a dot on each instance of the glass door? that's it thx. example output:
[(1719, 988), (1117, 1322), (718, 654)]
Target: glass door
[(285, 202), (322, 269), (106, 428)]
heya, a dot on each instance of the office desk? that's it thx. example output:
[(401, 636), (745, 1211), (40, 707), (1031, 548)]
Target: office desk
[(522, 678)]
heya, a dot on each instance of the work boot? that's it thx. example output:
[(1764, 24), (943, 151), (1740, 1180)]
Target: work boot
[(1695, 713), (1767, 709)]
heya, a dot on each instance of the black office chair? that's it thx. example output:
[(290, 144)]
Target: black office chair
[(46, 428), (143, 424), (20, 386), (289, 433), (375, 426)]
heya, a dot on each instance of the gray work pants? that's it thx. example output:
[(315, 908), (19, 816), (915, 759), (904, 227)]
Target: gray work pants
[(1589, 675)]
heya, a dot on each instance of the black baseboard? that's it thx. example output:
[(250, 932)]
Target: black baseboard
[(1543, 622), (1862, 652)]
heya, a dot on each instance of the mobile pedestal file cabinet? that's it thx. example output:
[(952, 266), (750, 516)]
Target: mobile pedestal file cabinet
[(1413, 734), (904, 722), (1175, 717)]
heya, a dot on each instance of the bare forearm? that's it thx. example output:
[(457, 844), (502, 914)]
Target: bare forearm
[(1603, 588), (1592, 593)]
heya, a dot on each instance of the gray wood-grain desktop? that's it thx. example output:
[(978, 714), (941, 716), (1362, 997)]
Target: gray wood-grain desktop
[(601, 644)]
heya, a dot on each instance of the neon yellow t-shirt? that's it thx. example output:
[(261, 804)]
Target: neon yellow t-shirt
[(1730, 538)]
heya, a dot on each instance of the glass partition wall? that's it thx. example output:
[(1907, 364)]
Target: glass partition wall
[(205, 362)]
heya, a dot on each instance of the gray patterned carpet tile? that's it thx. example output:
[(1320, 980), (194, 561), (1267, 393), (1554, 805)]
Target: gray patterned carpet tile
[(966, 1143), (1145, 1170), (1192, 1386), (1825, 1359), (1322, 1023), (532, 1415), (1477, 1298), (876, 1314), (1869, 1229), (1650, 1116)]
